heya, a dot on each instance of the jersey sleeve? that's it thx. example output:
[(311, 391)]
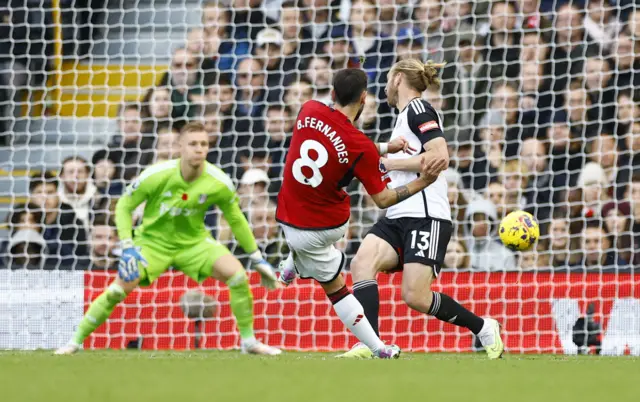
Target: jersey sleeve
[(227, 201), (370, 171), (135, 194), (423, 121)]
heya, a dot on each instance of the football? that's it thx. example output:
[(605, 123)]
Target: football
[(519, 231)]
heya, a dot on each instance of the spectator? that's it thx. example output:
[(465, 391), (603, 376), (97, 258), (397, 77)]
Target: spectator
[(64, 233), (532, 261), (535, 95), (25, 248), (567, 156), (439, 36), (627, 112), (603, 150), (457, 256), (539, 194), (221, 96), (530, 16), (465, 85), (594, 183), (297, 94), (253, 188), (497, 194), (337, 48), (559, 243), (77, 188), (252, 92), (492, 139), (228, 50), (131, 149), (598, 254), (320, 16), (486, 251), (106, 175), (186, 82), (629, 161), (104, 242), (167, 146), (297, 45), (501, 47), (515, 177), (458, 198), (268, 51), (156, 109), (535, 49), (265, 229), (279, 127), (598, 79), (627, 63), (367, 42), (618, 222), (410, 44), (601, 24), (571, 44), (204, 48), (504, 103), (469, 160), (320, 76), (581, 114)]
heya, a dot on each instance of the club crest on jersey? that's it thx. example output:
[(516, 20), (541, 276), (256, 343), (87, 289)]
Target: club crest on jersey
[(202, 199), (430, 125), (383, 170)]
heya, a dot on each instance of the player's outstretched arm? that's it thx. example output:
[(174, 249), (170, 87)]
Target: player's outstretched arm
[(388, 197), (435, 150), (135, 194)]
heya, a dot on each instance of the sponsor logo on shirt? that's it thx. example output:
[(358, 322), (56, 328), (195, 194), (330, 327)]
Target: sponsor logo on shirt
[(430, 125)]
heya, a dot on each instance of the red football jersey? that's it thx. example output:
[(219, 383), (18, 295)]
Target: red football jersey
[(326, 153)]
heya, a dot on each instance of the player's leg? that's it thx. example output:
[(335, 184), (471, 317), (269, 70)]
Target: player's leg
[(102, 307), (374, 255), (424, 250), (351, 313), (315, 256), (212, 259)]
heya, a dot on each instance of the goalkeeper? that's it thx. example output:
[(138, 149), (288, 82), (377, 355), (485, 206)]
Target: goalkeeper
[(177, 194)]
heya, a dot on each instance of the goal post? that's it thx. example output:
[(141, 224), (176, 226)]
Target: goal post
[(539, 106)]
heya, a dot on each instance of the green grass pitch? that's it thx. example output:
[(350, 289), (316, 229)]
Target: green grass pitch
[(133, 376)]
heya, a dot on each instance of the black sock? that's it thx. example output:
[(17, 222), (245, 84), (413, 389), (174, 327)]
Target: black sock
[(446, 309), (367, 294)]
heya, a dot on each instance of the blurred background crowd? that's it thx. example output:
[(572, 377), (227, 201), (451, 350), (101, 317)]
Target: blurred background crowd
[(539, 99)]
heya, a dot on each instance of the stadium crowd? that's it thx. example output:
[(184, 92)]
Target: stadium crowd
[(539, 102)]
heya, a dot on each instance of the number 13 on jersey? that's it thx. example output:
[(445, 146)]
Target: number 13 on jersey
[(314, 165)]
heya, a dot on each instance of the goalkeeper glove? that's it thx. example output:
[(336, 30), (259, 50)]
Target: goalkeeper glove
[(266, 271), (128, 266)]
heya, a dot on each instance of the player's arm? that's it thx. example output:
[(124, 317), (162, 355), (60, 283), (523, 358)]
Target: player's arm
[(135, 194), (396, 145), (425, 124), (388, 197)]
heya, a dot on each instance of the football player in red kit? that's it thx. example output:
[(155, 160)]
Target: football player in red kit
[(327, 151)]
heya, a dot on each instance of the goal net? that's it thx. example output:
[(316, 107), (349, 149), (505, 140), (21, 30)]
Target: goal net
[(538, 103)]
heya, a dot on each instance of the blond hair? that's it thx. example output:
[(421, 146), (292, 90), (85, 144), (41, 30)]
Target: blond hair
[(420, 76)]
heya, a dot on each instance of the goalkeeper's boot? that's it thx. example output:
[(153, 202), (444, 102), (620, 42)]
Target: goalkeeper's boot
[(287, 276), (490, 338), (68, 349), (358, 351), (259, 348), (388, 352)]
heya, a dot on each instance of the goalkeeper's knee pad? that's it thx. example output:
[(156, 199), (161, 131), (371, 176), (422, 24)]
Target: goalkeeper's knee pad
[(115, 293)]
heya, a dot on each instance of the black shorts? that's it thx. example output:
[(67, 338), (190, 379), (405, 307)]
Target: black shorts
[(416, 240)]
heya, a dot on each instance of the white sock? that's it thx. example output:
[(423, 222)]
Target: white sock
[(351, 314)]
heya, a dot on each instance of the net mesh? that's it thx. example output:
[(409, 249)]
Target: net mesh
[(539, 105)]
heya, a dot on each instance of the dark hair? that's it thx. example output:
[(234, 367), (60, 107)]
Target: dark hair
[(129, 106), (508, 3), (47, 177), (348, 85), (75, 158), (103, 219), (278, 107), (18, 212), (595, 223)]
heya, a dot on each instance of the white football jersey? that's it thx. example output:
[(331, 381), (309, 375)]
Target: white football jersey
[(419, 123)]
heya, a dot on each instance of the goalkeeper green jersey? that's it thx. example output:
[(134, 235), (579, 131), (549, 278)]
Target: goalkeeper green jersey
[(175, 209)]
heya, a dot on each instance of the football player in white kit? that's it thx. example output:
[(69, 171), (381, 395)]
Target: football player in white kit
[(413, 236)]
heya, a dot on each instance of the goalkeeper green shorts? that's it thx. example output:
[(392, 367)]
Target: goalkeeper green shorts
[(196, 262)]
